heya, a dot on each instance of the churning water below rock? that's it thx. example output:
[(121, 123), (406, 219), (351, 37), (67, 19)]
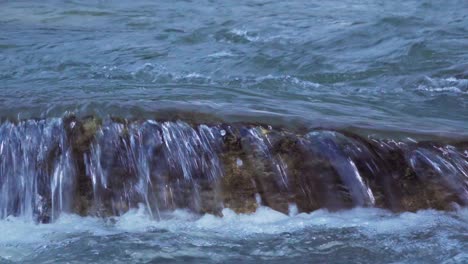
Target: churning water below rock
[(358, 235)]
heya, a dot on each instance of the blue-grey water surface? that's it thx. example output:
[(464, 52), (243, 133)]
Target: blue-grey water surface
[(385, 65), (398, 65)]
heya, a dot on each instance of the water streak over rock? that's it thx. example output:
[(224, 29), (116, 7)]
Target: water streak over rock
[(105, 167), (36, 169)]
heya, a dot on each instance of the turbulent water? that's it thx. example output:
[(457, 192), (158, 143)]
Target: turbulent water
[(132, 186), (356, 236)]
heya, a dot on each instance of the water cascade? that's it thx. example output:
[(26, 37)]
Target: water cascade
[(37, 174), (106, 167)]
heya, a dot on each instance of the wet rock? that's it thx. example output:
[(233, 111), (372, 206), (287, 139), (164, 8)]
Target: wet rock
[(238, 187), (110, 166), (442, 170), (269, 172)]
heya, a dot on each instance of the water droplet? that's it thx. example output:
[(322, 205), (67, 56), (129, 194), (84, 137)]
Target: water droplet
[(239, 162)]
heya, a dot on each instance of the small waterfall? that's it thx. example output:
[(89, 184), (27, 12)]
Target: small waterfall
[(442, 165), (260, 143), (36, 169), (152, 163), (333, 147), (106, 167)]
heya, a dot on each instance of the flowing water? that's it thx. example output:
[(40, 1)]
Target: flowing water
[(127, 129), (358, 236), (398, 65)]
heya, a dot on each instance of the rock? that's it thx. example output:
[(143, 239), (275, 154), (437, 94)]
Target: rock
[(119, 164)]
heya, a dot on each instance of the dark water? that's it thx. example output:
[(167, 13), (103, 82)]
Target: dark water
[(388, 65), (392, 66)]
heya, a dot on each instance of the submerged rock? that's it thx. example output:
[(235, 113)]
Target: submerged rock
[(105, 167)]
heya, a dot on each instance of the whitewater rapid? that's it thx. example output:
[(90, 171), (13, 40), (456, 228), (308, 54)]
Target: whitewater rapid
[(360, 234)]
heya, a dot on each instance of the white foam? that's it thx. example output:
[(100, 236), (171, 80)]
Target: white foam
[(221, 54), (245, 34), (19, 237), (452, 89), (290, 80), (444, 85), (268, 221), (292, 209)]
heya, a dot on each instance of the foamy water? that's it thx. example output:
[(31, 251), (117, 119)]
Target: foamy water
[(355, 235)]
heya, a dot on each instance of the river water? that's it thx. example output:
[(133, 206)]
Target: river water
[(398, 67), (356, 236)]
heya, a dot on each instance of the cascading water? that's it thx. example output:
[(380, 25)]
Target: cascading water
[(260, 143), (156, 189), (442, 164), (326, 144), (162, 165), (36, 170), (49, 167)]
